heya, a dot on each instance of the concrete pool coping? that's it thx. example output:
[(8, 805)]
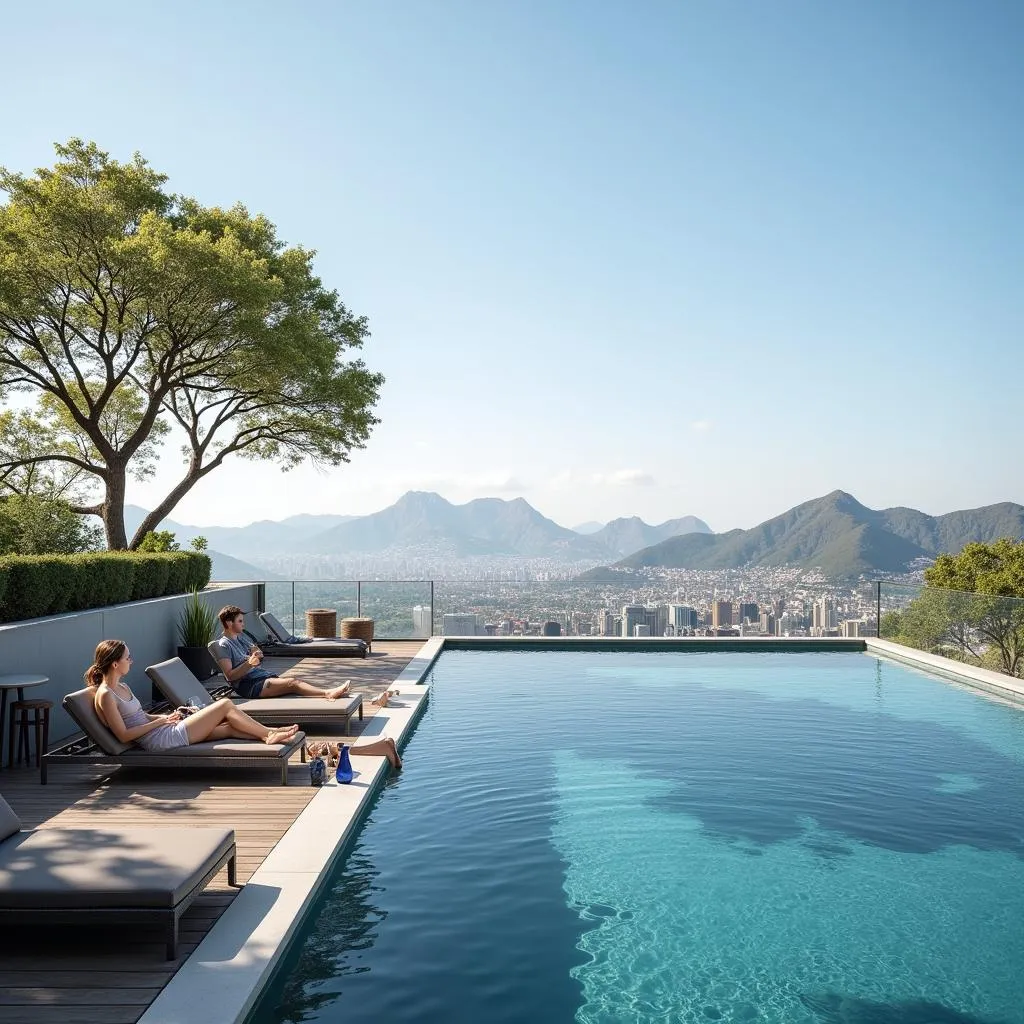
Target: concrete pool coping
[(222, 980), (225, 975)]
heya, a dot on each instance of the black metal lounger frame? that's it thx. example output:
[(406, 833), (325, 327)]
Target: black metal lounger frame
[(166, 917)]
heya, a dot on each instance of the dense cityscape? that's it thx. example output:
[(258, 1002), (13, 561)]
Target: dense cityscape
[(784, 601)]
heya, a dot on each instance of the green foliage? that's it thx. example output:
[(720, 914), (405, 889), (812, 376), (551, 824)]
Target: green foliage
[(978, 616), (197, 622), (158, 540), (35, 585), (35, 525), (198, 544), (126, 310), (996, 568)]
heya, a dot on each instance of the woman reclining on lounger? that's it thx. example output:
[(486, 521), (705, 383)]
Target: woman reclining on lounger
[(119, 709)]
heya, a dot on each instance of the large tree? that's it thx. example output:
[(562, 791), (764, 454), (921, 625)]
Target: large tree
[(126, 311)]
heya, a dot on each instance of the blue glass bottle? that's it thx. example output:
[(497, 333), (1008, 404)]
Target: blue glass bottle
[(344, 773)]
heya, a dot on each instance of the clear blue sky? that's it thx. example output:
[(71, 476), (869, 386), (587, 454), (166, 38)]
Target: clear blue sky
[(655, 258)]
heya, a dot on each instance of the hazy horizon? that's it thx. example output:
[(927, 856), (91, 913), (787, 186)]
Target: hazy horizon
[(676, 259)]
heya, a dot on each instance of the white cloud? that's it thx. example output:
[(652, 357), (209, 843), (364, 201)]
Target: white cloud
[(700, 426), (569, 480)]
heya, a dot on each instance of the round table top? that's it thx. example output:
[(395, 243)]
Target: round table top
[(25, 679)]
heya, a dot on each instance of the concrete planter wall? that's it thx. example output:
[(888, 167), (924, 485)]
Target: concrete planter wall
[(61, 646)]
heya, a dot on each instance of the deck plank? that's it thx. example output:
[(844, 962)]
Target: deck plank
[(104, 976)]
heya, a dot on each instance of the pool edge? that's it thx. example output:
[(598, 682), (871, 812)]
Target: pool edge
[(984, 679), (224, 976)]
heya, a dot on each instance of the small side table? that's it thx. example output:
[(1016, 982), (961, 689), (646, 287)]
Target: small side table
[(20, 682), (321, 622)]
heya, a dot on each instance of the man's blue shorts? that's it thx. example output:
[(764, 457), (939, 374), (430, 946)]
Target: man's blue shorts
[(249, 687)]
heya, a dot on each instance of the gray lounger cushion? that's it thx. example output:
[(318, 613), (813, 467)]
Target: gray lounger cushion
[(71, 868), (179, 686)]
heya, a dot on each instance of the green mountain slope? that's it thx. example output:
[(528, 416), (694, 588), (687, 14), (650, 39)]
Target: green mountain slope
[(838, 534)]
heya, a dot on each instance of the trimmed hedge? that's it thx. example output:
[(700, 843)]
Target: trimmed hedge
[(34, 585)]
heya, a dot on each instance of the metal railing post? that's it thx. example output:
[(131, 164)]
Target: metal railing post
[(431, 607), (359, 598), (878, 609), (293, 606)]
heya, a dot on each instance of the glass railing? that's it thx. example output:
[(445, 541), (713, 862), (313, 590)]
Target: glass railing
[(400, 608), (406, 609), (979, 629)]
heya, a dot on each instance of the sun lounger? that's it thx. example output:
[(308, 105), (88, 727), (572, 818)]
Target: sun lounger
[(307, 647), (178, 685), (117, 876), (105, 748)]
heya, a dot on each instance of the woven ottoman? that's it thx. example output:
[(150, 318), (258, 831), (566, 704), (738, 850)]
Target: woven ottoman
[(321, 622), (358, 629)]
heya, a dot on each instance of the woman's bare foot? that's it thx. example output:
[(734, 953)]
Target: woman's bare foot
[(339, 691), (381, 700), (282, 735)]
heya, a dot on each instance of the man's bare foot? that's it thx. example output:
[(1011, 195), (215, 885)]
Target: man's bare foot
[(339, 691)]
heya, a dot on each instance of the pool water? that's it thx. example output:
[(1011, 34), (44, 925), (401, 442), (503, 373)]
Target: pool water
[(684, 837)]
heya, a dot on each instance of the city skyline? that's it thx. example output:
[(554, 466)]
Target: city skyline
[(615, 261)]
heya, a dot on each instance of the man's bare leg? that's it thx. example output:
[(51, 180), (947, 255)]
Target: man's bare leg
[(280, 687)]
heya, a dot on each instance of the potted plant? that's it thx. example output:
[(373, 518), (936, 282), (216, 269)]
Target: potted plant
[(196, 626)]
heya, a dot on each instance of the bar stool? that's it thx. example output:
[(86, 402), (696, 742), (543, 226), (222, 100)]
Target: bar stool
[(40, 711)]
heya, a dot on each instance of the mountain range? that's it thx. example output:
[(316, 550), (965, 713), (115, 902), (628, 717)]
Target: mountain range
[(835, 533), (422, 521)]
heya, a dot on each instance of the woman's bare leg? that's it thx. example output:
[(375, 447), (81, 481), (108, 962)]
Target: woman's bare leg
[(380, 748), (201, 726)]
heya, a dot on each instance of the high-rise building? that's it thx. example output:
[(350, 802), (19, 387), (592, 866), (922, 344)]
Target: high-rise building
[(422, 624), (605, 623), (749, 611), (851, 627), (682, 617), (641, 629), (766, 622), (823, 616), (721, 614), (462, 624), (632, 615)]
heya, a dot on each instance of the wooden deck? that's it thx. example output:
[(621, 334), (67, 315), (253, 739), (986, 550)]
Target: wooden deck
[(94, 976)]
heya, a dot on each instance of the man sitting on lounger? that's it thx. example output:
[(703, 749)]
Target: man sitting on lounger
[(240, 659)]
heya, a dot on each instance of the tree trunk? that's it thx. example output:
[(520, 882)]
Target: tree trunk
[(113, 508)]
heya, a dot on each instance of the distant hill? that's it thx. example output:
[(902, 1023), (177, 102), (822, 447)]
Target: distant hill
[(587, 528), (422, 520), (835, 533), (622, 536), (226, 568), (265, 536)]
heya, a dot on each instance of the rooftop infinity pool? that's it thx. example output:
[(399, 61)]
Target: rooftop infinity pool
[(785, 838)]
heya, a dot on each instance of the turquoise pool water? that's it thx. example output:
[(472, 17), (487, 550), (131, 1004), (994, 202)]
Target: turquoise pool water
[(682, 837)]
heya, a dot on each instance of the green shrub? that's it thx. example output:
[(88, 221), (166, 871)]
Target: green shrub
[(34, 585), (200, 570), (151, 574), (179, 565)]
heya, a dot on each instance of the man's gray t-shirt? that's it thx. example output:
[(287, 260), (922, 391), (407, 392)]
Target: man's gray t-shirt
[(238, 649)]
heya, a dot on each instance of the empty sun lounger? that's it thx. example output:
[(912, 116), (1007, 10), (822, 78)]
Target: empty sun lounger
[(278, 642), (179, 686), (129, 876), (106, 748)]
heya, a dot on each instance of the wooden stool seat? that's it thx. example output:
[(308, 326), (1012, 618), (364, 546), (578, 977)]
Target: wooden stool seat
[(20, 721)]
